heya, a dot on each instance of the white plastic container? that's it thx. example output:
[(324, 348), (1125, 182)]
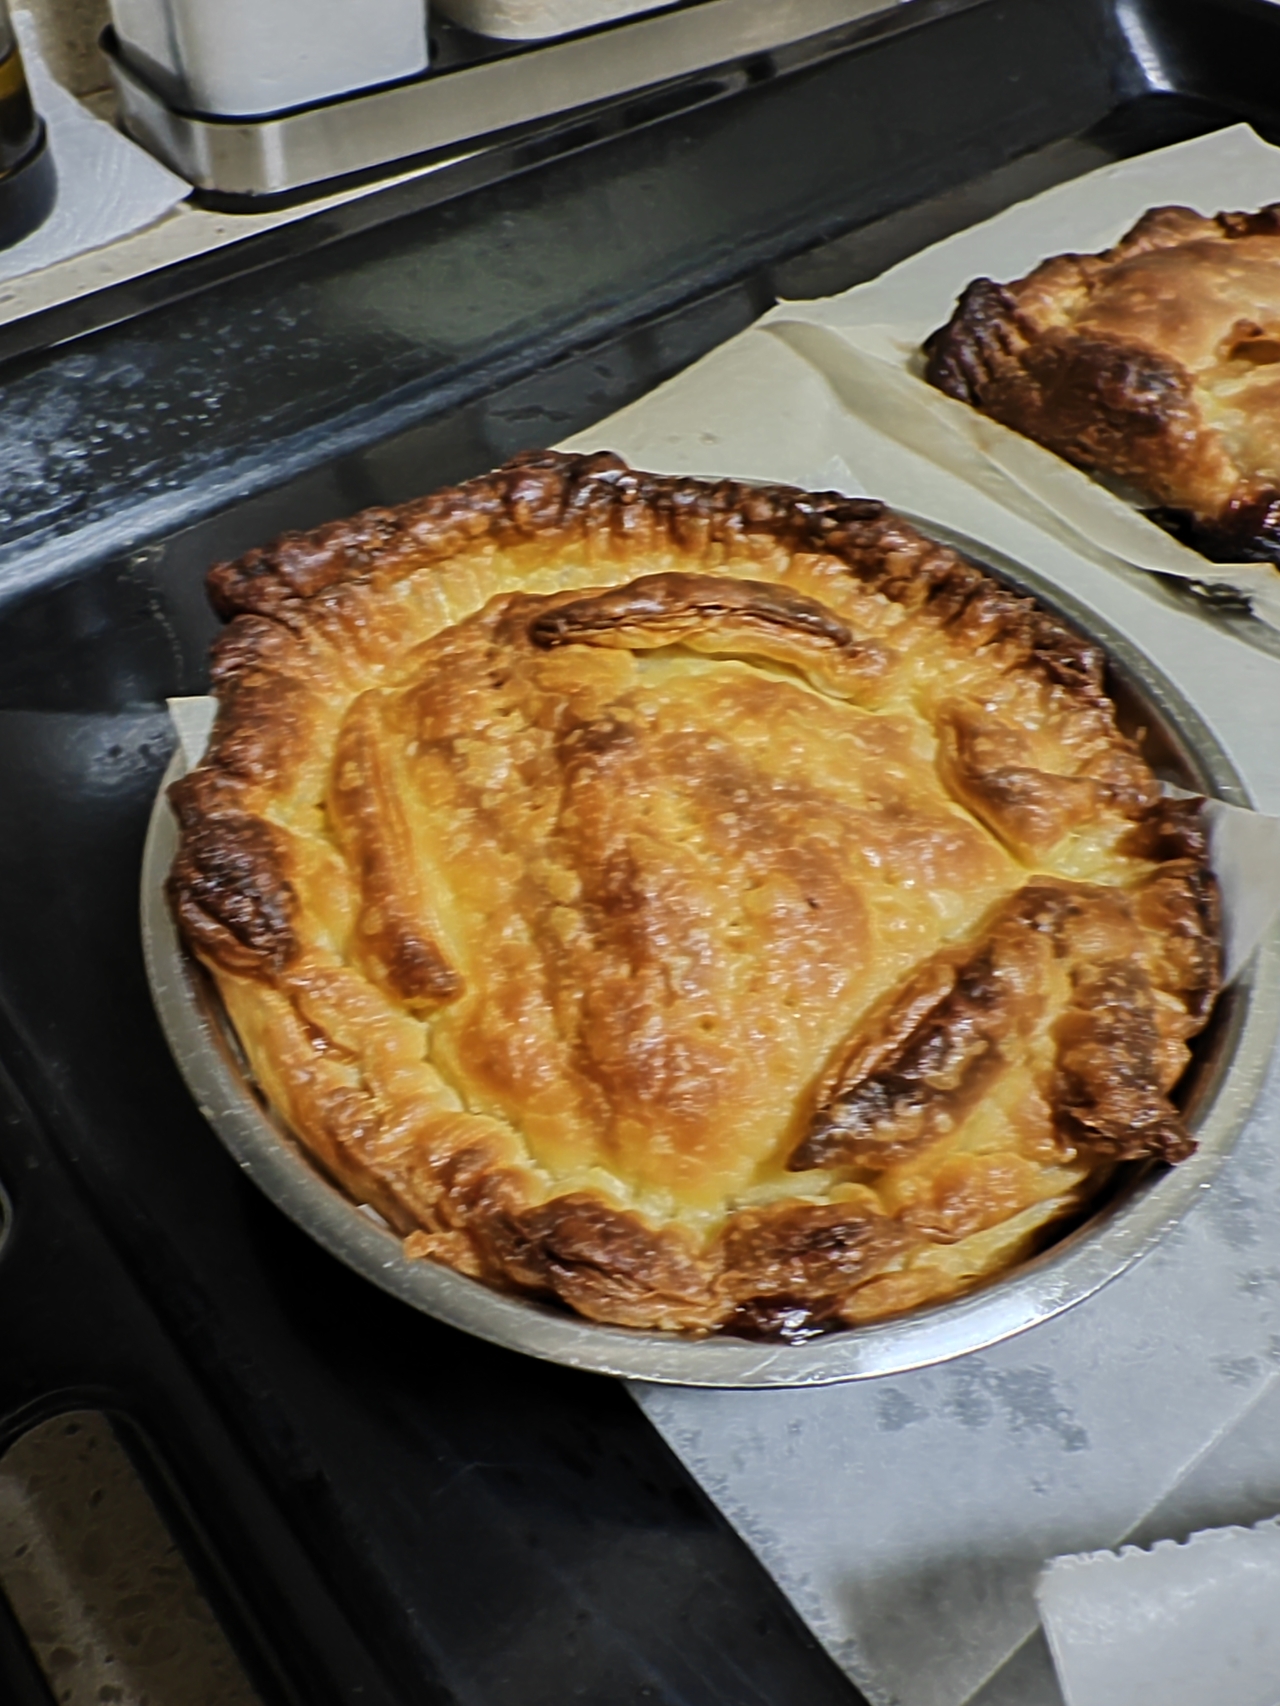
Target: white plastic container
[(243, 58), (536, 20)]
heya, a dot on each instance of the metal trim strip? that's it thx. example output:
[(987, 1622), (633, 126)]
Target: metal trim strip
[(276, 155)]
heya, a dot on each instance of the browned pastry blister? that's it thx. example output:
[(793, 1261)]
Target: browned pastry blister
[(1156, 362), (712, 908)]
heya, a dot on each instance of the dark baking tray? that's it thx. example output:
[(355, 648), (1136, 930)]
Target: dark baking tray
[(382, 1509)]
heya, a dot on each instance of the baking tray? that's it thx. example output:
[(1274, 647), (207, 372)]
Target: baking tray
[(1146, 1203), (455, 105)]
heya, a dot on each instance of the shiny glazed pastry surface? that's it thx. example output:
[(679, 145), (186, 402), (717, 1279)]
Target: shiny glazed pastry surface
[(713, 908), (1157, 362)]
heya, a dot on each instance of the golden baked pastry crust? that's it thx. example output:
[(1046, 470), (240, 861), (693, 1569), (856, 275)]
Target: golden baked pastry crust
[(712, 907), (1157, 362)]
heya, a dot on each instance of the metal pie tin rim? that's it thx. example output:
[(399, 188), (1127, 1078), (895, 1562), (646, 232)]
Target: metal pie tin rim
[(1111, 1240)]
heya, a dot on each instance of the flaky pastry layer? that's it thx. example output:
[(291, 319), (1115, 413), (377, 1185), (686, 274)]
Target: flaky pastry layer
[(1157, 362), (712, 907)]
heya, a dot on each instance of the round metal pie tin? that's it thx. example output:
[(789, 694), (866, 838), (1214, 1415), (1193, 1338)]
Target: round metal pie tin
[(1226, 1073)]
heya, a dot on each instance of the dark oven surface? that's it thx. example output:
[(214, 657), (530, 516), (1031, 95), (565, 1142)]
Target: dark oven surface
[(381, 1509)]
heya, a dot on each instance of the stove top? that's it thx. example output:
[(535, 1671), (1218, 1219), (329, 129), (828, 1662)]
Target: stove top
[(380, 1509)]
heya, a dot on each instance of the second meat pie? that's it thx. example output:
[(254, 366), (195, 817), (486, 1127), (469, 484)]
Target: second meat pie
[(713, 908), (1157, 362)]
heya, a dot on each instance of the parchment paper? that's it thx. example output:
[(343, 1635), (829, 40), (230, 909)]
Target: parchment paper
[(868, 340)]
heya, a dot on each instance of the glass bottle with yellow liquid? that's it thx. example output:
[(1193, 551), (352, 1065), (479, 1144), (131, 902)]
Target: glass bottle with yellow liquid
[(27, 182)]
